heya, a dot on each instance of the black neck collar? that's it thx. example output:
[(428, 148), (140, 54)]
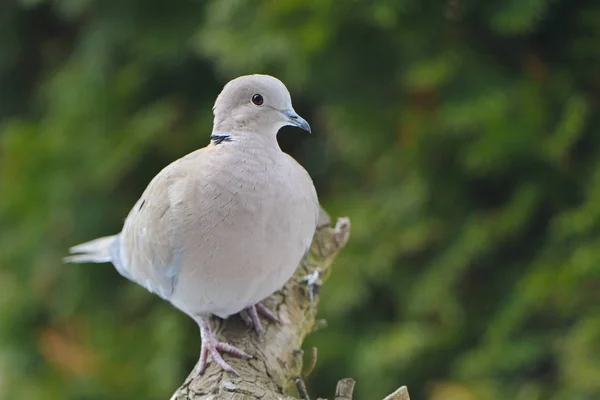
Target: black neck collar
[(218, 138)]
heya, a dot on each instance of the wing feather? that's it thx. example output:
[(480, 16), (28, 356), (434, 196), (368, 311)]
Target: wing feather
[(152, 232)]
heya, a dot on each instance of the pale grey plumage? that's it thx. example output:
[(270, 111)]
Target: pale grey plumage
[(220, 229)]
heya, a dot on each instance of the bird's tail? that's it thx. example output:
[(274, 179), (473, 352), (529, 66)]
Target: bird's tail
[(96, 251)]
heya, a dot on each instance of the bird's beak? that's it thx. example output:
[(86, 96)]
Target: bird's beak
[(296, 120)]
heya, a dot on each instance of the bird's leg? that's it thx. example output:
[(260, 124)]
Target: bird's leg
[(210, 345), (245, 315), (250, 317)]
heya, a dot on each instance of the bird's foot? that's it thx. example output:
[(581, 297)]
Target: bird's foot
[(265, 312), (210, 345), (250, 317)]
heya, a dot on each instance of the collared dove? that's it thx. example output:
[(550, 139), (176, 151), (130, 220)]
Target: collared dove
[(224, 227)]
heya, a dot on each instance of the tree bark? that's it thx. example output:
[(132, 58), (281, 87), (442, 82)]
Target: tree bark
[(277, 363)]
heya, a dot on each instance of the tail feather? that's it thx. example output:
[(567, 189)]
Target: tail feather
[(96, 251)]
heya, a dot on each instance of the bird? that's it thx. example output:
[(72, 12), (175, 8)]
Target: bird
[(224, 227)]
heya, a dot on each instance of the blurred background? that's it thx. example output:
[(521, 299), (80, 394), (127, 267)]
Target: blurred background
[(460, 136)]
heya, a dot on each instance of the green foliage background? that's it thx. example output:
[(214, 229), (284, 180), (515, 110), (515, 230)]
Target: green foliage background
[(461, 137)]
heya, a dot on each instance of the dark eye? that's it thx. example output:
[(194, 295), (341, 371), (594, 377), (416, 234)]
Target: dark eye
[(257, 99)]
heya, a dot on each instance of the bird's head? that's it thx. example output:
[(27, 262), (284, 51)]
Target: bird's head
[(255, 103)]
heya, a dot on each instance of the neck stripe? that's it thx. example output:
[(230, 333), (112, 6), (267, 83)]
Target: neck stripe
[(218, 138)]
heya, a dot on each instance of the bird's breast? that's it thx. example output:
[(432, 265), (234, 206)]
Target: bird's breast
[(252, 223)]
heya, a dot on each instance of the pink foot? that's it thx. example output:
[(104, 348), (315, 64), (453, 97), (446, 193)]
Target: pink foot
[(265, 312), (250, 317), (211, 345)]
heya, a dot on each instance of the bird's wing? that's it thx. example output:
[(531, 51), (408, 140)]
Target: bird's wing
[(304, 184), (152, 237)]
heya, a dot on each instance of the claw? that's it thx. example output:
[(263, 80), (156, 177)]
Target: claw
[(211, 345), (250, 317), (265, 312), (256, 321)]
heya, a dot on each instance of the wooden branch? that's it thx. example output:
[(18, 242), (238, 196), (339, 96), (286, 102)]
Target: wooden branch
[(400, 394), (344, 389), (277, 363)]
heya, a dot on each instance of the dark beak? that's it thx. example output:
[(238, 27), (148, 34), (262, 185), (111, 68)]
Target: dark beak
[(296, 120)]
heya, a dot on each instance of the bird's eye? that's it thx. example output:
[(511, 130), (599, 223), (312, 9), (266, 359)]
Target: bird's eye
[(257, 99)]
